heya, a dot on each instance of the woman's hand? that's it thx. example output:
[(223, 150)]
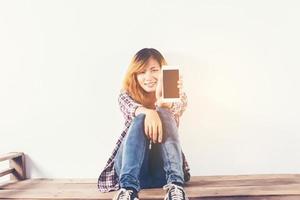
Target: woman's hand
[(153, 126), (159, 102), (180, 87)]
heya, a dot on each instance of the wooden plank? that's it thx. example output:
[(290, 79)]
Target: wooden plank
[(10, 155), (194, 179), (257, 187), (7, 171), (6, 183), (203, 181), (93, 186), (195, 182), (155, 194), (249, 198), (245, 177), (158, 193), (54, 194), (18, 163)]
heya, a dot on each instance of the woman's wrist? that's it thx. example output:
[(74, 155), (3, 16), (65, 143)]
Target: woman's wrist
[(160, 103), (141, 110), (165, 105)]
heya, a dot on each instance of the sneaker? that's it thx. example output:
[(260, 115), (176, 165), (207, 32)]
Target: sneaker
[(174, 192), (124, 194)]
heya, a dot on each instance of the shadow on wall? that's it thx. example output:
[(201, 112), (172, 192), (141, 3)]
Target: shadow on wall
[(32, 168)]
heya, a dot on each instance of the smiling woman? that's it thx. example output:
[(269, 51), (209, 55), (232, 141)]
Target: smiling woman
[(148, 78), (142, 76), (147, 122)]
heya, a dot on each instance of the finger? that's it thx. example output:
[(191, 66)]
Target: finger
[(154, 134), (146, 129), (150, 133), (179, 85), (180, 93), (160, 133)]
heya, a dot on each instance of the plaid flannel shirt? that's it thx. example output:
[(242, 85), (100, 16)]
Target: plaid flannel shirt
[(108, 179)]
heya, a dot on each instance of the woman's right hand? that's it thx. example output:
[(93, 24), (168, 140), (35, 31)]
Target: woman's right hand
[(153, 126)]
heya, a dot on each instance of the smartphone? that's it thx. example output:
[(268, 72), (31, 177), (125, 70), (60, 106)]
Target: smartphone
[(170, 77)]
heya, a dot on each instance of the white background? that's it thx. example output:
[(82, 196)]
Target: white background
[(62, 65)]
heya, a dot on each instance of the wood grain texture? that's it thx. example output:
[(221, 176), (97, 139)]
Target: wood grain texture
[(6, 171), (16, 168), (18, 164), (239, 187), (10, 155)]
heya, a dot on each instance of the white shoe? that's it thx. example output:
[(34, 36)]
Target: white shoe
[(174, 192), (124, 194)]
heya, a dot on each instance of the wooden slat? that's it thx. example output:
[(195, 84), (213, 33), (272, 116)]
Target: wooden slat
[(194, 179), (10, 156), (193, 183), (85, 194), (287, 197), (7, 171), (7, 183), (18, 163), (246, 177), (245, 187)]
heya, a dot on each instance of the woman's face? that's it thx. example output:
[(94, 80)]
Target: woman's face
[(149, 77)]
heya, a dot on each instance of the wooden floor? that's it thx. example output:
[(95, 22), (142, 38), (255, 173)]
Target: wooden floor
[(245, 187)]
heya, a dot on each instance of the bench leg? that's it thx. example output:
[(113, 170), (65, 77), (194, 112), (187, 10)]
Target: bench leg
[(18, 164)]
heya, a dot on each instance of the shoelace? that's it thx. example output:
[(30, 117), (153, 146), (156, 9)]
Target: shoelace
[(175, 191), (125, 194)]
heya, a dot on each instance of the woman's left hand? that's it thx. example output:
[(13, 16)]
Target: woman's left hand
[(180, 83)]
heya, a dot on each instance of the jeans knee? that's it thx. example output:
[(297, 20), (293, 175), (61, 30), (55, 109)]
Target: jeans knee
[(170, 128), (171, 135), (138, 121), (166, 115), (137, 125), (139, 118)]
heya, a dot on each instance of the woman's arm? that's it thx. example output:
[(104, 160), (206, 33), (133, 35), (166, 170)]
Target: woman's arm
[(152, 124), (127, 105), (178, 108), (141, 110)]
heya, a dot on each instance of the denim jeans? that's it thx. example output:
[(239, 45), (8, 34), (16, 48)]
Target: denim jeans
[(138, 166)]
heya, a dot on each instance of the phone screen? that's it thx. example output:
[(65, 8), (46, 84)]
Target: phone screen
[(170, 78)]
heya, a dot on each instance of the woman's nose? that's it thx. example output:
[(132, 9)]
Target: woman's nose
[(148, 74)]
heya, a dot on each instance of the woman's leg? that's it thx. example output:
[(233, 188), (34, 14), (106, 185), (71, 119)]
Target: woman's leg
[(170, 148), (156, 167), (133, 155)]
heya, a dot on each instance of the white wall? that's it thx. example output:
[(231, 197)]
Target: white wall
[(62, 63)]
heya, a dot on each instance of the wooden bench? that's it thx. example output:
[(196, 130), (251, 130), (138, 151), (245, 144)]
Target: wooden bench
[(237, 187)]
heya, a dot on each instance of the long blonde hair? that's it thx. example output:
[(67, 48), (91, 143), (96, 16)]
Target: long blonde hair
[(137, 65)]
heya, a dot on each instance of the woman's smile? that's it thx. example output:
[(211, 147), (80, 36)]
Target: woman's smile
[(148, 78), (150, 84)]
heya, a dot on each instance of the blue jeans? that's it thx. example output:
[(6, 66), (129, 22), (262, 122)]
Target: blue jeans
[(139, 167)]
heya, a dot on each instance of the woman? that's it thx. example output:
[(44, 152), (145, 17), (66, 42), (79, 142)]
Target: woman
[(148, 152)]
